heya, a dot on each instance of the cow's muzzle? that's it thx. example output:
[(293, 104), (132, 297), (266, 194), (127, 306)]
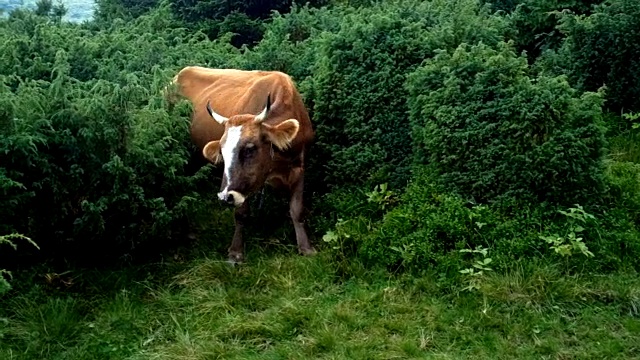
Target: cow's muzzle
[(231, 198)]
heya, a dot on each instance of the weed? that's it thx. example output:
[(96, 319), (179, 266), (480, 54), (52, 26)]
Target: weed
[(381, 196), (571, 243), (7, 239), (475, 273)]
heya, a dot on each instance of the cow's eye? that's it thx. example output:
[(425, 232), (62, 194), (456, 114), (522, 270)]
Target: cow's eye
[(248, 150)]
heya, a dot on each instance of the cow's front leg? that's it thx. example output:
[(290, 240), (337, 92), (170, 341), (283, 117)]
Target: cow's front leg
[(236, 250), (295, 210)]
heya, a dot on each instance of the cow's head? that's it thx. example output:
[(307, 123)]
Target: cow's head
[(246, 148)]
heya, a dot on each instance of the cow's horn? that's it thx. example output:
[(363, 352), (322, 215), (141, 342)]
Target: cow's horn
[(217, 117), (263, 115)]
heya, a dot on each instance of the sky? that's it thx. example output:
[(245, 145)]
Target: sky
[(78, 10)]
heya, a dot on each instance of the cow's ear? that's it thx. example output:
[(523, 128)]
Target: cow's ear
[(211, 152), (282, 134)]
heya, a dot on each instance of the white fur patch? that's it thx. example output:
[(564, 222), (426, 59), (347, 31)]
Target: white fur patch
[(238, 199), (228, 150)]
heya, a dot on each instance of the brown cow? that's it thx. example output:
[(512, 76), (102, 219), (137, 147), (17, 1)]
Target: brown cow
[(256, 124)]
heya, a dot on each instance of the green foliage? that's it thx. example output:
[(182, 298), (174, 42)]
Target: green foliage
[(6, 240), (91, 162), (358, 95), (493, 132), (47, 8), (290, 42), (535, 23), (623, 179), (109, 10), (430, 228), (618, 229), (475, 273), (244, 18), (570, 243), (193, 11), (503, 5), (244, 29), (346, 237), (381, 196), (423, 230), (604, 49), (624, 145)]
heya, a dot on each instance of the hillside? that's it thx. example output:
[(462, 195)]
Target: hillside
[(472, 190)]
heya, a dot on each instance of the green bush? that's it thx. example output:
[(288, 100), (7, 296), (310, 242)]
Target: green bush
[(604, 49), (91, 162), (424, 229), (245, 18), (358, 95), (290, 42), (494, 132), (109, 10), (535, 22), (503, 5), (429, 226), (99, 172), (431, 229)]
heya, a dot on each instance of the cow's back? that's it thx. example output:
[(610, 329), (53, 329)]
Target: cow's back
[(234, 92)]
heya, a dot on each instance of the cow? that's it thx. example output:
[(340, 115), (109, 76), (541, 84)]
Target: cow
[(255, 123)]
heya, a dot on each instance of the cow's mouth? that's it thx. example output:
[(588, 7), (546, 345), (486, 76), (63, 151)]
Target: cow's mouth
[(231, 198)]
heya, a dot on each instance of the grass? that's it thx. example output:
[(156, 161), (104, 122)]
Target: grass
[(282, 306)]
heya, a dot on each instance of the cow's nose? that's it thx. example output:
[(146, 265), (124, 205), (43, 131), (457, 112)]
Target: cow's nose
[(230, 200)]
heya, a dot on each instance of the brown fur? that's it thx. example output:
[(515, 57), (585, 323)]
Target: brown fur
[(235, 92), (280, 140)]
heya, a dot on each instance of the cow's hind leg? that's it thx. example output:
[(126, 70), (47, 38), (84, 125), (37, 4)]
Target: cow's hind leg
[(295, 210), (236, 250)]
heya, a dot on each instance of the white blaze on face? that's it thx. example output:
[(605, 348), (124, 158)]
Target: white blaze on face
[(228, 150)]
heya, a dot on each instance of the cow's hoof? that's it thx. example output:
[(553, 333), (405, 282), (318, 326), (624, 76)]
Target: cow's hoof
[(308, 251), (236, 258)]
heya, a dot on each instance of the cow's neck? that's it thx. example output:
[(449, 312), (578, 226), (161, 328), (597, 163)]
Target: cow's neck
[(283, 165)]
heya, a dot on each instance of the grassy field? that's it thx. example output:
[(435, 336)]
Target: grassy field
[(282, 306)]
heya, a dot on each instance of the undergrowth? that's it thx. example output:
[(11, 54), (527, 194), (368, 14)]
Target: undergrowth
[(285, 306)]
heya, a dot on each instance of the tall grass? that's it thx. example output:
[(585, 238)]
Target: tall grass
[(283, 306)]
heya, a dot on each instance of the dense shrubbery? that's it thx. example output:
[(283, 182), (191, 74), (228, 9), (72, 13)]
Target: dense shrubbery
[(89, 154), (432, 228), (290, 42), (359, 100), (604, 49), (86, 167), (493, 132), (91, 160), (108, 10), (431, 224), (535, 22), (358, 95), (241, 17)]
